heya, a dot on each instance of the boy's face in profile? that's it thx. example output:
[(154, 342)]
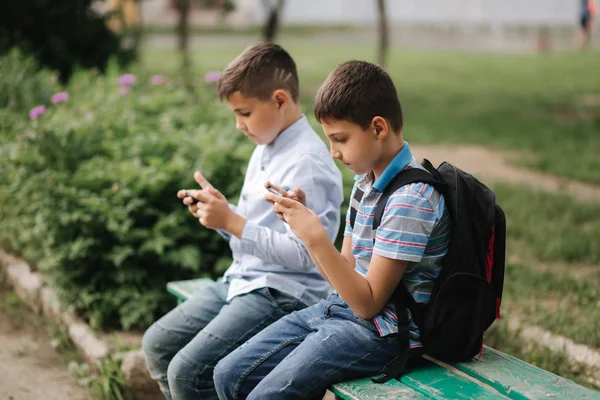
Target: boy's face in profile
[(260, 120), (358, 148)]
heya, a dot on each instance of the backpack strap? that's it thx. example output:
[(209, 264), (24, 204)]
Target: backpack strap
[(406, 177), (413, 175), (401, 297), (396, 368), (354, 202)]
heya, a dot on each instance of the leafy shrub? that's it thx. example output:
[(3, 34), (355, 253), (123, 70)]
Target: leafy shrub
[(21, 88), (88, 192)]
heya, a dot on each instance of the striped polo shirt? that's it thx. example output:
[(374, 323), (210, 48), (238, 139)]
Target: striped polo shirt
[(415, 227)]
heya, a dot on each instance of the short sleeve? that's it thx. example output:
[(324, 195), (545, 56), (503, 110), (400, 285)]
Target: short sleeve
[(406, 225)]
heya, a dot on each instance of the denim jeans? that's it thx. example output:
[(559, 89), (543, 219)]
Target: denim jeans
[(302, 354), (183, 347)]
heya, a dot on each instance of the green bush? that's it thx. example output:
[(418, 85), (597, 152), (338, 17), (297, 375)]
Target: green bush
[(88, 192), (21, 88)]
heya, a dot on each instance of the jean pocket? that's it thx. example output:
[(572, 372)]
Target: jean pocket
[(367, 323), (281, 300)]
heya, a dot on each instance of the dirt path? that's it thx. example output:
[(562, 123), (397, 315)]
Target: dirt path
[(29, 368), (490, 165)]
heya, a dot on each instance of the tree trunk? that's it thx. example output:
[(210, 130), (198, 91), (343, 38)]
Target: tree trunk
[(137, 32), (384, 35), (272, 23), (183, 32)]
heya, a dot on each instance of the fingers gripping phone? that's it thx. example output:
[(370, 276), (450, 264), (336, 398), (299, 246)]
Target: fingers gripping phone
[(189, 194), (270, 189)]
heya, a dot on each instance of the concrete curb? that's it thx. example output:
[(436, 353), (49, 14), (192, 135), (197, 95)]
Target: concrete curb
[(579, 353), (41, 298), (576, 353), (31, 288)]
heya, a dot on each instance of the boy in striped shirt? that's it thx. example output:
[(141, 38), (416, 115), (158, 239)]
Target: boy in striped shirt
[(352, 333)]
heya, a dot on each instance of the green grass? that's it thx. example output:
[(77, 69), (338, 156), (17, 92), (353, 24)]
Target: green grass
[(554, 227), (551, 237), (555, 301), (13, 308), (547, 105)]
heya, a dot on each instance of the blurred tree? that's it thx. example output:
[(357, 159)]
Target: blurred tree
[(183, 32), (61, 34), (184, 9), (272, 23), (384, 42), (124, 14), (125, 18)]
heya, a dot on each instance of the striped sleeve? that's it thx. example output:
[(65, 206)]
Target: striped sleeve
[(406, 225)]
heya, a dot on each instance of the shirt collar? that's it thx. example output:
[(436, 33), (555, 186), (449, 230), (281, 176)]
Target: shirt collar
[(398, 163), (289, 134), (284, 139)]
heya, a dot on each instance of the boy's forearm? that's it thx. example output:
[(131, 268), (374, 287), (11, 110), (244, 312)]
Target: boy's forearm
[(236, 225), (318, 265), (351, 286)]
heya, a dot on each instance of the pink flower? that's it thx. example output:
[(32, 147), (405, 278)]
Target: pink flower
[(212, 77), (123, 90), (60, 97), (127, 79), (157, 80), (37, 111)]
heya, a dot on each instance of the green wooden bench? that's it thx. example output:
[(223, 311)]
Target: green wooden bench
[(493, 376)]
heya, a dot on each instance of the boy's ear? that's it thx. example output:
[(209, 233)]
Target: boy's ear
[(381, 127), (281, 98)]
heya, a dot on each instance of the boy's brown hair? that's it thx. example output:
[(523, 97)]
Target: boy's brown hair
[(259, 71), (358, 91)]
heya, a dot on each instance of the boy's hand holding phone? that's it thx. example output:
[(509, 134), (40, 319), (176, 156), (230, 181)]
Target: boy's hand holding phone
[(208, 205), (296, 194), (305, 224)]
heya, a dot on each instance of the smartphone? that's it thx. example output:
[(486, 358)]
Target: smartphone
[(189, 194), (270, 189)]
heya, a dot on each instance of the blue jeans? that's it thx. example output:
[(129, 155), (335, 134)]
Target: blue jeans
[(302, 354), (183, 347)]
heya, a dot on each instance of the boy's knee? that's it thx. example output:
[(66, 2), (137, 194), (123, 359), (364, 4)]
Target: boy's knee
[(148, 341), (179, 372), (151, 341), (158, 349), (221, 372), (226, 378)]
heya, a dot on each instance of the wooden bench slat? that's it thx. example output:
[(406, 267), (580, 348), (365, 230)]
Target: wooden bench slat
[(437, 382), (183, 290), (365, 389), (520, 380), (424, 382)]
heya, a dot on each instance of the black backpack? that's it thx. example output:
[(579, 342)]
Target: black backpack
[(466, 296)]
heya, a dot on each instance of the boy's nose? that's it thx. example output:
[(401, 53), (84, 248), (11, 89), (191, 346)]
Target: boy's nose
[(239, 126), (336, 155)]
